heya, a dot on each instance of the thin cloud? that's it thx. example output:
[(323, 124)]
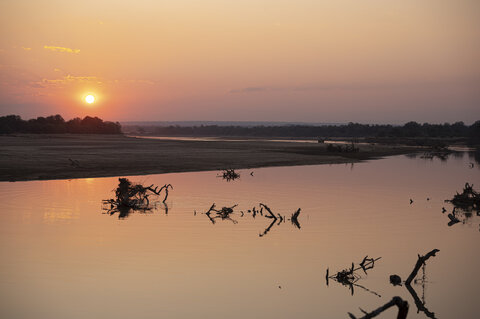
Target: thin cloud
[(61, 49), (260, 89), (70, 79), (26, 49), (251, 89), (359, 86), (148, 82)]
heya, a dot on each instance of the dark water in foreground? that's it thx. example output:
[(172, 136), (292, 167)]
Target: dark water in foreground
[(62, 258)]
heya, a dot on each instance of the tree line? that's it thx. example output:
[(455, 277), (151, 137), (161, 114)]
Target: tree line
[(55, 124), (350, 130)]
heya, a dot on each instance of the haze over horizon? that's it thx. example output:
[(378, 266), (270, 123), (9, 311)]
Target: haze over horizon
[(288, 61)]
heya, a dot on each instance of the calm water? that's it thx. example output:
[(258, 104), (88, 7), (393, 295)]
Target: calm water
[(61, 257)]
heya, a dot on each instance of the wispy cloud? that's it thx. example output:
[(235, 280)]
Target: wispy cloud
[(26, 49), (148, 82), (259, 89), (251, 89), (71, 79), (61, 49), (359, 86)]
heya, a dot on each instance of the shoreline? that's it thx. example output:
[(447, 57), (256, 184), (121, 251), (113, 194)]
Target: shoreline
[(67, 156)]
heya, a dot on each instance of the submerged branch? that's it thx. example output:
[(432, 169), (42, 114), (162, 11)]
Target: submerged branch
[(229, 175), (270, 213), (468, 200), (421, 260), (294, 219), (348, 277), (420, 305), (129, 196), (396, 301), (223, 213)]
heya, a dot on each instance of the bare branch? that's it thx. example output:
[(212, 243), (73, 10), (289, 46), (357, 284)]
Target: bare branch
[(396, 301), (421, 260)]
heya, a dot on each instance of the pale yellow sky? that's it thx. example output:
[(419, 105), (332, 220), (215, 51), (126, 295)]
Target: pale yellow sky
[(320, 61)]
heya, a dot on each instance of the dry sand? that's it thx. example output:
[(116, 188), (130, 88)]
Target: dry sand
[(32, 157)]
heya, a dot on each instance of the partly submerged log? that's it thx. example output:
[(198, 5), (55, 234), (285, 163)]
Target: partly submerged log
[(230, 175), (468, 200), (134, 196), (348, 277), (294, 218), (420, 262), (396, 301), (223, 213)]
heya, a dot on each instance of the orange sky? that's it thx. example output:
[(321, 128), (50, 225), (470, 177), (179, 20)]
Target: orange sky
[(265, 60)]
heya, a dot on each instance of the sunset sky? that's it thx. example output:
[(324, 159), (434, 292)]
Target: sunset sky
[(370, 61)]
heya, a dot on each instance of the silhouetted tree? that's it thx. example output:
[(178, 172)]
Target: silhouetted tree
[(55, 124), (474, 134)]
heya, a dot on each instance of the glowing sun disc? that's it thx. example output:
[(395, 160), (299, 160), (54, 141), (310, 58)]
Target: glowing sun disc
[(90, 99)]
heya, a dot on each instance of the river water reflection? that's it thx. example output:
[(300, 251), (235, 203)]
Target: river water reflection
[(63, 258)]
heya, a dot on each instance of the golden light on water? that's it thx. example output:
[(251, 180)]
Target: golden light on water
[(90, 99)]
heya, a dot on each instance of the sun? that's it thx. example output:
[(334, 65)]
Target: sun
[(90, 99)]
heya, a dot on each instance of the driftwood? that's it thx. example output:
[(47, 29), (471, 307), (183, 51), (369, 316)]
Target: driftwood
[(129, 196), (420, 305), (270, 213), (396, 301), (294, 219), (453, 218), (278, 219), (348, 277), (421, 262), (229, 175), (468, 200), (225, 214)]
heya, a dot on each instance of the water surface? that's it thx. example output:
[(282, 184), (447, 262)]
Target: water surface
[(63, 258)]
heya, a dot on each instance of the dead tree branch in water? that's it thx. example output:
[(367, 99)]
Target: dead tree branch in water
[(277, 218), (129, 196), (157, 191), (420, 262), (269, 211), (468, 200), (348, 277), (271, 214), (420, 305), (294, 219), (396, 301), (453, 219), (267, 229), (229, 175), (223, 213)]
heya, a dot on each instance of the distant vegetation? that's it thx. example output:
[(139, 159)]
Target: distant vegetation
[(55, 124), (351, 130)]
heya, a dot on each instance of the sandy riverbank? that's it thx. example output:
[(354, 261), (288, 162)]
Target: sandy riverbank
[(32, 157)]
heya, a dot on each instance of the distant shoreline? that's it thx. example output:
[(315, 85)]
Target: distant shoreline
[(66, 156)]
